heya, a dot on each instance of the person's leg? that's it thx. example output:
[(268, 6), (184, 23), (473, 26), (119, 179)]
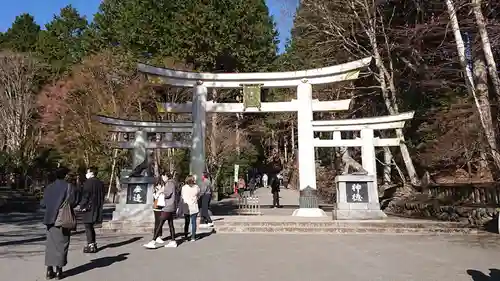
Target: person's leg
[(278, 199), (186, 225), (49, 249), (66, 236), (208, 218), (193, 226), (204, 209), (171, 227), (92, 244), (201, 207), (93, 234), (275, 199), (159, 230), (173, 242), (88, 233), (157, 222)]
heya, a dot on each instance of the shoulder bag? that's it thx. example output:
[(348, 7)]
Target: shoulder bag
[(65, 216)]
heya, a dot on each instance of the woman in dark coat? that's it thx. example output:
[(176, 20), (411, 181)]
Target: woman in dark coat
[(57, 244)]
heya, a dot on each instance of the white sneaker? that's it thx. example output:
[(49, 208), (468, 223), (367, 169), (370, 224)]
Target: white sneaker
[(211, 224), (193, 239), (159, 240), (171, 244), (204, 225), (150, 245)]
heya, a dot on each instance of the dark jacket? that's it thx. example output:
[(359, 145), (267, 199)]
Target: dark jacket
[(274, 182), (92, 200), (252, 184), (206, 186), (53, 197)]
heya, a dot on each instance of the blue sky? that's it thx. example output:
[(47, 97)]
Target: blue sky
[(283, 12)]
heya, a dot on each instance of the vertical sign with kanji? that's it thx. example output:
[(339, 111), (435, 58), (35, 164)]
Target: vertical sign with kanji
[(357, 192)]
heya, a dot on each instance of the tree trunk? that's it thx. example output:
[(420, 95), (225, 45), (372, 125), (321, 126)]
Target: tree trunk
[(388, 88), (213, 133), (469, 81), (488, 54), (485, 108), (157, 156), (286, 149), (387, 165), (238, 148), (114, 138)]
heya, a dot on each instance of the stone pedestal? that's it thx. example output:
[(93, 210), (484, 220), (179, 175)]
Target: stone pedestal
[(357, 198), (135, 200), (308, 204)]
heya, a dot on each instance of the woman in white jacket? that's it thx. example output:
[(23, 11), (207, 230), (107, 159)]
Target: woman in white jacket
[(159, 203), (190, 193)]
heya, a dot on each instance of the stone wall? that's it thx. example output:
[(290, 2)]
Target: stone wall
[(473, 215)]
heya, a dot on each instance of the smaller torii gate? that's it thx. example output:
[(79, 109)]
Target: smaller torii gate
[(357, 195), (135, 199)]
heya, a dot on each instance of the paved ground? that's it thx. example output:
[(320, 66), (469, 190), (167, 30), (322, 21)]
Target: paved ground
[(288, 197), (242, 257)]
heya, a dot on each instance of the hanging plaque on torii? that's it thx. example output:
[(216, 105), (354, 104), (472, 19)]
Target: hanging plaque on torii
[(251, 96)]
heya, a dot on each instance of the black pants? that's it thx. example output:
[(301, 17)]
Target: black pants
[(205, 204), (90, 233), (160, 219), (158, 229), (276, 199)]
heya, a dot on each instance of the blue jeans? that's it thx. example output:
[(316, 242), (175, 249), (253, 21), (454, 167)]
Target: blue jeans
[(190, 218)]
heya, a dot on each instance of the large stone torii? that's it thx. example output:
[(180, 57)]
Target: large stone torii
[(304, 105)]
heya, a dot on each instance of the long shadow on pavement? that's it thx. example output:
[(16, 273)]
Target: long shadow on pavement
[(30, 240), (477, 275), (96, 263), (121, 243)]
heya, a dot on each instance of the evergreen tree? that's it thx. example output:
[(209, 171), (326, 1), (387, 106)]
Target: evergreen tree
[(221, 35), (22, 35), (61, 44)]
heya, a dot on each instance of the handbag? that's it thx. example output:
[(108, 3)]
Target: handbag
[(161, 200), (65, 216)]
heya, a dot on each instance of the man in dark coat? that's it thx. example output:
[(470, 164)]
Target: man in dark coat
[(275, 190), (91, 205)]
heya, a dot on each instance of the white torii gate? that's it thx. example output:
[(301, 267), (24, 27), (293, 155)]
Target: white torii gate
[(367, 141), (304, 105)]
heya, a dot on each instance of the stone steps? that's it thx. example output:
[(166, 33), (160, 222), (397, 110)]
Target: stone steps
[(317, 227)]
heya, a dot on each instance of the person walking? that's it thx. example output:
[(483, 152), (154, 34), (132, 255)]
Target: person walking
[(91, 205), (58, 237), (241, 186), (252, 185), (158, 204), (206, 197), (275, 190), (165, 195), (264, 180), (190, 193)]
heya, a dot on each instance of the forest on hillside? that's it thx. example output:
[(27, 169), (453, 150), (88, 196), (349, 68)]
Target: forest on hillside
[(437, 58)]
